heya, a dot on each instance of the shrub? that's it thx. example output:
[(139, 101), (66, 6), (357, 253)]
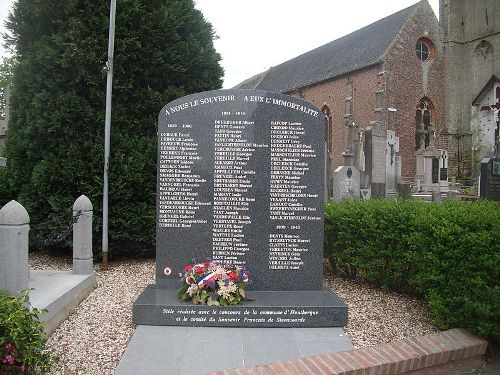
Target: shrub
[(448, 253), (5, 195), (22, 341), (55, 143)]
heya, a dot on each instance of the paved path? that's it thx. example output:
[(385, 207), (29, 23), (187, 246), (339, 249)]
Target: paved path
[(198, 350)]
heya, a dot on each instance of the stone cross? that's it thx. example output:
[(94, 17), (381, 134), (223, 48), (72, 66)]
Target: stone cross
[(348, 152), (391, 146)]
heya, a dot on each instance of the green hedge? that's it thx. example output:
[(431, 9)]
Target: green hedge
[(448, 253)]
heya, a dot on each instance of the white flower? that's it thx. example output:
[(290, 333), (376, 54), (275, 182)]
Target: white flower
[(193, 288), (226, 291)]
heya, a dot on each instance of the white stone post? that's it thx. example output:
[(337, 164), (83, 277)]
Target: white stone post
[(82, 236), (14, 230)]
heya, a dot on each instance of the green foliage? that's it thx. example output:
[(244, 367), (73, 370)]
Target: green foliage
[(6, 69), (5, 195), (449, 253), (22, 341), (163, 50)]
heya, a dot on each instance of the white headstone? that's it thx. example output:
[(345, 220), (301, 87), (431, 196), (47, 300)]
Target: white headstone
[(443, 171), (378, 139), (345, 183)]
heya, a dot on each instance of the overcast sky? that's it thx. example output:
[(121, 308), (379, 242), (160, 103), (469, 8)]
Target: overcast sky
[(255, 35)]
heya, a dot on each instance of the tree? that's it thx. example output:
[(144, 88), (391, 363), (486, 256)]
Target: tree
[(6, 67), (163, 50)]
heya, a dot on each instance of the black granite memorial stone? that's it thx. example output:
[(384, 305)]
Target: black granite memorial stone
[(490, 179), (435, 170), (240, 180)]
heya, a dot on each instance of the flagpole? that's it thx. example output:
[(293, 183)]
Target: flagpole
[(107, 131)]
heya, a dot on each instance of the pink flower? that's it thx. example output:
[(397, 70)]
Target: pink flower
[(9, 347), (8, 359), (21, 368)]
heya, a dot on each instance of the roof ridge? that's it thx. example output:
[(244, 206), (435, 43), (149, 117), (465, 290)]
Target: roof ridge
[(410, 15), (348, 53)]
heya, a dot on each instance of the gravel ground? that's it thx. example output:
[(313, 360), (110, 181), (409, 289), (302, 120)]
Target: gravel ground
[(93, 338)]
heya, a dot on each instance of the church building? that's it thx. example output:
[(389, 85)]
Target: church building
[(385, 77)]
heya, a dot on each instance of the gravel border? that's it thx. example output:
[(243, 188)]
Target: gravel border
[(95, 335)]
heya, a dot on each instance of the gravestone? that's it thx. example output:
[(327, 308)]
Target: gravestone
[(443, 172), (392, 148), (375, 143), (365, 194), (404, 190), (345, 183), (431, 162), (240, 180), (490, 179), (435, 170)]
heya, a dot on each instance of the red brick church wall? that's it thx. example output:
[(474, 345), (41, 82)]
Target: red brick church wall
[(333, 93), (409, 80), (406, 81)]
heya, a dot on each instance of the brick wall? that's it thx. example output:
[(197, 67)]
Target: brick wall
[(333, 94), (436, 353), (409, 80)]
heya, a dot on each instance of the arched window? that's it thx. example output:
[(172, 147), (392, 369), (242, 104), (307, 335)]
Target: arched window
[(423, 128), (328, 127), (424, 49)]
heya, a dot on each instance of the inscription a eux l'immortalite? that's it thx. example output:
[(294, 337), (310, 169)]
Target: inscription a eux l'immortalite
[(240, 180)]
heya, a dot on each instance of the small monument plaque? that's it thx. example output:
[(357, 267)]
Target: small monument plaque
[(435, 171), (490, 179), (240, 180)]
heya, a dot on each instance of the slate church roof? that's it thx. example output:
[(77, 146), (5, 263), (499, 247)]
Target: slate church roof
[(358, 50)]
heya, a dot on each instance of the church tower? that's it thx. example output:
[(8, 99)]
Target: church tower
[(471, 39)]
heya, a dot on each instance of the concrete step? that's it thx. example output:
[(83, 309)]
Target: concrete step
[(59, 292), (198, 350)]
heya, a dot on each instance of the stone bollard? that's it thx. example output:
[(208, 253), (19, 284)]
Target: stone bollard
[(14, 230), (82, 236)]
